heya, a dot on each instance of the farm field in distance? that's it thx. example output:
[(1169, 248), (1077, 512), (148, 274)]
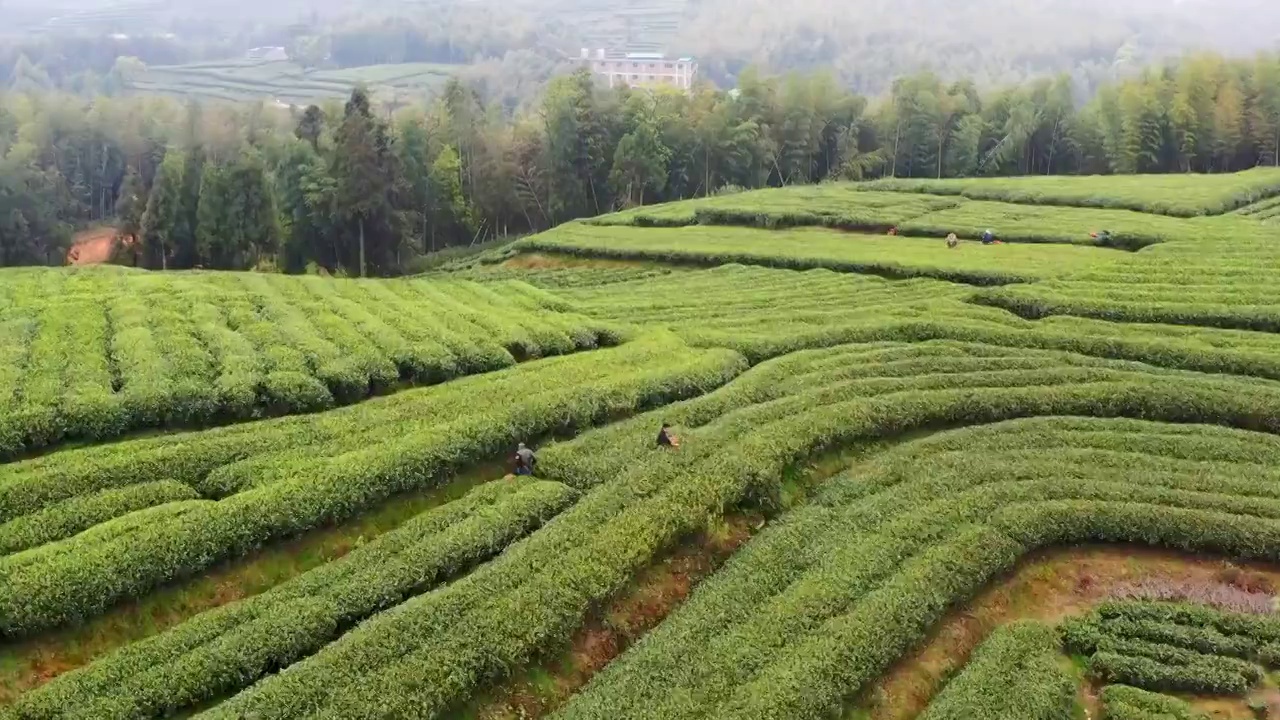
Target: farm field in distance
[(1037, 478), (290, 83)]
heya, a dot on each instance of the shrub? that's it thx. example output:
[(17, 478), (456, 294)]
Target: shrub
[(95, 353), (339, 463), (65, 519), (1120, 702), (225, 649), (1209, 677), (1014, 674), (800, 619)]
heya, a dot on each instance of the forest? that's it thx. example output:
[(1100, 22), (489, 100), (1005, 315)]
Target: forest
[(358, 191), (866, 44)]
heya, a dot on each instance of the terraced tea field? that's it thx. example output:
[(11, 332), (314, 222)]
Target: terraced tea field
[(884, 436), (287, 82)]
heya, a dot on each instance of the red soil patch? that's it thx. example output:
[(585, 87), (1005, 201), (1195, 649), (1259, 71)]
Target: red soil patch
[(92, 247), (1050, 587)]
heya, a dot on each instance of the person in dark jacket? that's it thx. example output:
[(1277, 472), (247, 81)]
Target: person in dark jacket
[(666, 439), (525, 460), (988, 237)]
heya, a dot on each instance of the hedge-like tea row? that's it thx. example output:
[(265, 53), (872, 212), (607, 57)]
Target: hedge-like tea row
[(1175, 647), (1173, 672), (1227, 284), (286, 476), (820, 604), (785, 311), (1013, 218), (1120, 702), (1261, 209), (64, 519), (426, 655), (558, 278), (1013, 675), (816, 204), (1177, 195), (92, 353), (224, 650), (1194, 627), (810, 248)]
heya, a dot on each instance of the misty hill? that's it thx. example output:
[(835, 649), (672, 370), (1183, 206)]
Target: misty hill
[(868, 42), (865, 42)]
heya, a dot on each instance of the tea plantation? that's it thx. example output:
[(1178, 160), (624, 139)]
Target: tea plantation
[(895, 427)]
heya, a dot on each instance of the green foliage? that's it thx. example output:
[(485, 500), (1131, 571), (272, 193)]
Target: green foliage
[(69, 517), (1120, 702), (282, 477), (99, 352), (1175, 647), (1224, 282), (804, 249), (1015, 673), (1177, 195), (878, 593), (460, 170), (819, 604), (788, 311), (1205, 674), (226, 649)]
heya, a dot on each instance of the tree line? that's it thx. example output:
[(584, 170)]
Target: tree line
[(352, 189)]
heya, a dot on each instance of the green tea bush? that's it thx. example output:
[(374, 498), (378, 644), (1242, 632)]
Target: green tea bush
[(1176, 195), (1208, 676), (1014, 675), (809, 248), (64, 519), (91, 354), (1228, 285), (786, 311), (336, 465), (795, 622), (1120, 702), (792, 623), (226, 649)]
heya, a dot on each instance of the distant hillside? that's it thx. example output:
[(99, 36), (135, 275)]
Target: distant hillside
[(869, 42)]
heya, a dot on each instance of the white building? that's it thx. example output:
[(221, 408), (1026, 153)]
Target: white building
[(642, 69)]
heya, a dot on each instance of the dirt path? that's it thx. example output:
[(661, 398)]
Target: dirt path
[(92, 247), (1050, 587)]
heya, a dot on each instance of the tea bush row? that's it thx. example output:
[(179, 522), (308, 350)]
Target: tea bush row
[(283, 477), (426, 655), (820, 604), (1013, 675), (809, 248), (91, 354), (69, 517), (1173, 672), (763, 313), (1175, 646), (226, 649), (1120, 702), (1226, 287), (1176, 195)]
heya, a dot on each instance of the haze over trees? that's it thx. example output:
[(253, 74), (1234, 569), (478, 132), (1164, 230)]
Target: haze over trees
[(351, 190), (511, 46)]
